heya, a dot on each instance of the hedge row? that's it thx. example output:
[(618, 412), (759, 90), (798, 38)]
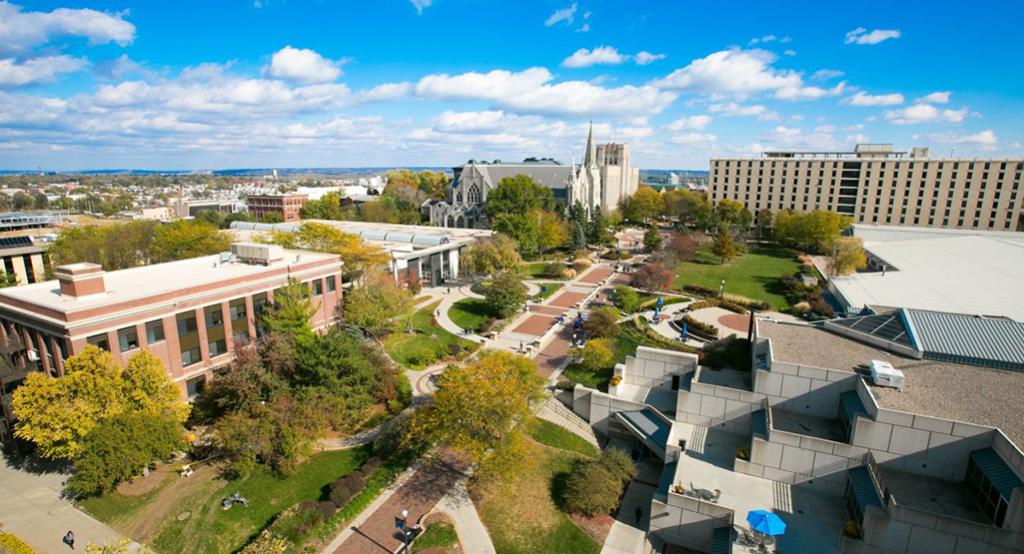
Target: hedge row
[(700, 326)]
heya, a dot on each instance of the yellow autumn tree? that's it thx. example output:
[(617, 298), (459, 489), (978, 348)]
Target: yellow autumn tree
[(477, 408), (356, 255), (58, 413)]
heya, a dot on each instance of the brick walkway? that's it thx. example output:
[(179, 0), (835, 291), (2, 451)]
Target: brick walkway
[(554, 355), (595, 275), (567, 299), (535, 325), (378, 535)]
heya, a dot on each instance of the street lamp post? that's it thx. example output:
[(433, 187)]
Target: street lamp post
[(721, 289), (400, 523)]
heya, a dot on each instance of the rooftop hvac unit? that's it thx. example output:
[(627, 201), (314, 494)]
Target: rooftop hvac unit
[(884, 375), (256, 253)]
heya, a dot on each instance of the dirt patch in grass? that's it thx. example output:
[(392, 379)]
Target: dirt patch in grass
[(597, 527)]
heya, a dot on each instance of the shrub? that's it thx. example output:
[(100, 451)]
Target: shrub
[(506, 294), (370, 466), (602, 323), (698, 289), (699, 326), (326, 509), (266, 543), (596, 354), (653, 276), (802, 307), (296, 522), (343, 489), (820, 307), (555, 269), (11, 544), (455, 348), (595, 486), (626, 299), (580, 264)]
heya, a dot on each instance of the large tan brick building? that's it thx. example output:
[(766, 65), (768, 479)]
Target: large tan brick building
[(189, 313), (875, 184)]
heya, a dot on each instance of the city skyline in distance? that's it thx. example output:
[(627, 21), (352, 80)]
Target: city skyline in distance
[(100, 84)]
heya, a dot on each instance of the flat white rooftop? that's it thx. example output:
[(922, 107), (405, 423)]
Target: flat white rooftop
[(967, 274), (126, 285)]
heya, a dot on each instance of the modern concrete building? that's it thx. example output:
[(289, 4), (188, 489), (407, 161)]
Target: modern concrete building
[(849, 464), (601, 182), (975, 272), (874, 184), (285, 205), (190, 313), (427, 252), (23, 258)]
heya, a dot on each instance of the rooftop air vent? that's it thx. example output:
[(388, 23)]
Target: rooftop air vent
[(255, 253), (884, 375)]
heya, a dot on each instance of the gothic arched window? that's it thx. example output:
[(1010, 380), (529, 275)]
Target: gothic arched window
[(473, 196)]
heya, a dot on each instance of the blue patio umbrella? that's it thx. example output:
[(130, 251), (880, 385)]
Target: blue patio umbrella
[(684, 330), (766, 522)]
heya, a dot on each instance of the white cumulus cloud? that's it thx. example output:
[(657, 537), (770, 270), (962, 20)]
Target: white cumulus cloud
[(860, 35), (935, 98), (37, 70), (602, 55), (420, 4), (21, 30), (924, 113), (302, 65), (732, 109), (690, 123), (865, 99), (732, 71), (644, 58), (983, 138)]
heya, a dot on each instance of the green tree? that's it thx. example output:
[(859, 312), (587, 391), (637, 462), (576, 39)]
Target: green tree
[(289, 316), (645, 206), (119, 447), (578, 224), (487, 256), (732, 213), (505, 294), (689, 208), (596, 354), (723, 245), (626, 299), (652, 239), (179, 240), (477, 408), (379, 306), (814, 232), (847, 256), (518, 195), (552, 231), (599, 230), (764, 224)]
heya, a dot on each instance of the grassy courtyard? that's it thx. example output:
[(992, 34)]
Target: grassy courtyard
[(184, 514), (538, 270), (549, 289), (471, 313), (426, 344), (524, 516), (755, 275)]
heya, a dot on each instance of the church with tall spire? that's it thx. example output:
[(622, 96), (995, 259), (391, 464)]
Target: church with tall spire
[(603, 180)]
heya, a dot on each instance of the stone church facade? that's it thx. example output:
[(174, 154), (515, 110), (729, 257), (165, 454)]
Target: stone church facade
[(601, 182)]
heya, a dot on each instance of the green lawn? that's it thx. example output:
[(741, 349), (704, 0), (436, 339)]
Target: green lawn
[(537, 270), (471, 313), (427, 344), (755, 275), (208, 528), (524, 517), (548, 433), (549, 289), (437, 535)]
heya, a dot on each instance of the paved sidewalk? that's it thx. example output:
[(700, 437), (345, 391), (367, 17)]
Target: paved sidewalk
[(377, 534), (472, 533), (31, 507), (627, 535)]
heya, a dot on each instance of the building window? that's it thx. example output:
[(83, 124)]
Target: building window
[(100, 341), (195, 386), (331, 284), (188, 337), (259, 303), (473, 196), (239, 320), (128, 339), (154, 331), (318, 287), (215, 338)]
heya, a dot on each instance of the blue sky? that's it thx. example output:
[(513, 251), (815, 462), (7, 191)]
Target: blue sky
[(208, 85)]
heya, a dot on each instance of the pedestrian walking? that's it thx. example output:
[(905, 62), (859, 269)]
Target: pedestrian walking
[(69, 539), (639, 513)]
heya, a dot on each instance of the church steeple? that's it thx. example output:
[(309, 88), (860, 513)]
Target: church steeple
[(591, 157)]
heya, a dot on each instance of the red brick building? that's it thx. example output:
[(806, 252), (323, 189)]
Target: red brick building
[(190, 313), (285, 205)]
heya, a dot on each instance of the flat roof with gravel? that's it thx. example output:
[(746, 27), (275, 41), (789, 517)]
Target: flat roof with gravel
[(959, 392)]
